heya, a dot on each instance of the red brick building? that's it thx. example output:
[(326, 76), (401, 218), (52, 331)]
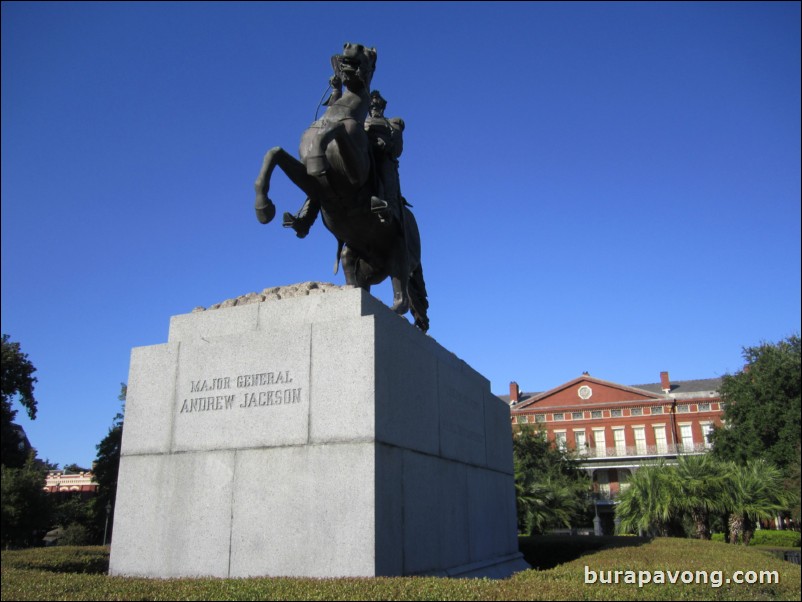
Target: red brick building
[(617, 428)]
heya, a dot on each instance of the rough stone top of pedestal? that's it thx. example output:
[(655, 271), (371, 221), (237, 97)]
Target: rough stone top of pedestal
[(275, 293), (278, 308)]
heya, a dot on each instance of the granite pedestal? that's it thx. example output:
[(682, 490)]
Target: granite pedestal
[(320, 436)]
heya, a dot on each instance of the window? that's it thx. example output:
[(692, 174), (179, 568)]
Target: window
[(704, 407), (640, 439), (657, 410), (686, 433), (540, 418), (683, 409), (707, 430), (596, 414), (603, 479), (577, 415), (560, 416), (523, 419), (636, 412), (620, 443), (581, 442), (560, 440), (660, 439), (615, 413), (623, 479), (601, 444)]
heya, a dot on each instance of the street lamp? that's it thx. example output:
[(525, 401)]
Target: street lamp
[(106, 528)]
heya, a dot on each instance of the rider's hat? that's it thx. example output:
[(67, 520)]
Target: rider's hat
[(376, 97)]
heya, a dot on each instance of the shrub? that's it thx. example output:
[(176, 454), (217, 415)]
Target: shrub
[(63, 559), (74, 535), (42, 575), (782, 539)]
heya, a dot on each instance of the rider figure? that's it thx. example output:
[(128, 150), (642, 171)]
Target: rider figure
[(386, 144)]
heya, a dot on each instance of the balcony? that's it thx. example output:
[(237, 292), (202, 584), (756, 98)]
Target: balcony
[(642, 451)]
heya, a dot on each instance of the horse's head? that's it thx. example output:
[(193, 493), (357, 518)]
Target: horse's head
[(356, 65)]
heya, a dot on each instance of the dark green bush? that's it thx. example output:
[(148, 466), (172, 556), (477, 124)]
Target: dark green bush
[(74, 535), (62, 559), (782, 539)]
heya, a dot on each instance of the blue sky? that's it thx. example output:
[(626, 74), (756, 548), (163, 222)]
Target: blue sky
[(601, 187)]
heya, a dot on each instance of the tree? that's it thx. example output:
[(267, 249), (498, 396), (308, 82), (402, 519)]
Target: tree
[(660, 496), (74, 469), (793, 484), (106, 468), (649, 503), (551, 491), (16, 381), (763, 410), (754, 492), (25, 508), (700, 485)]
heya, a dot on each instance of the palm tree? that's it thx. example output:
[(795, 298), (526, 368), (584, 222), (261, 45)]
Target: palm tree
[(648, 504), (699, 485), (754, 492), (523, 500), (554, 501)]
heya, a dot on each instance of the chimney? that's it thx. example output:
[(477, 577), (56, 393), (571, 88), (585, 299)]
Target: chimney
[(514, 393), (665, 384)]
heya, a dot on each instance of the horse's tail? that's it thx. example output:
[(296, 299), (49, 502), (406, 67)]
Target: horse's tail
[(418, 299)]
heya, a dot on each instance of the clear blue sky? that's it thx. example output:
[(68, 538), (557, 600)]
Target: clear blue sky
[(604, 187)]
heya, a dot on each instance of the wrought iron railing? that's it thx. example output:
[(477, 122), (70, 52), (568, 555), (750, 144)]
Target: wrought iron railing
[(642, 450)]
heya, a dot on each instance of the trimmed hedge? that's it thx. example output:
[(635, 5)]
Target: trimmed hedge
[(765, 537), (60, 559), (781, 539), (43, 575)]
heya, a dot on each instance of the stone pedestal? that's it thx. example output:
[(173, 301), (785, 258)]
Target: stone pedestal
[(321, 436)]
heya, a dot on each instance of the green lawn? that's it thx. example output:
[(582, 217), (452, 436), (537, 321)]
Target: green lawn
[(79, 574)]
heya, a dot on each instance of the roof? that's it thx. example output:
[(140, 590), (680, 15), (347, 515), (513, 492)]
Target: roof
[(682, 388), (685, 386)]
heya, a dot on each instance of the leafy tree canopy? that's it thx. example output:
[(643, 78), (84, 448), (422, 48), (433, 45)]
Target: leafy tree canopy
[(74, 468), (763, 410), (107, 466), (25, 508), (16, 381), (551, 489)]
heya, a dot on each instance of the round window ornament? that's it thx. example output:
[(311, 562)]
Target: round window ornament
[(585, 392)]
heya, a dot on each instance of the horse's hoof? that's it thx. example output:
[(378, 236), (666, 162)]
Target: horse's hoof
[(400, 307), (265, 209)]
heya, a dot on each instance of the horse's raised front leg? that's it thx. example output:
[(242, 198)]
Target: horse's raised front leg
[(296, 172), (353, 151)]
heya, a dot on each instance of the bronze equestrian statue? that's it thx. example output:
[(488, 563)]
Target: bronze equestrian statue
[(338, 172)]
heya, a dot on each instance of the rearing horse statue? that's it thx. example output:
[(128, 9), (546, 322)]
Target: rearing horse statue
[(336, 173)]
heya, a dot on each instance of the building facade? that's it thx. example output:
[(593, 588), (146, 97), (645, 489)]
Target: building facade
[(58, 481), (614, 429)]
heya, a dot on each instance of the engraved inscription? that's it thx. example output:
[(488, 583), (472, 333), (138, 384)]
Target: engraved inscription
[(262, 397), (203, 404), (269, 398), (212, 384)]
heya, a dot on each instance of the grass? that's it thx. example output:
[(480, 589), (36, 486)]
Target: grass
[(79, 574)]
